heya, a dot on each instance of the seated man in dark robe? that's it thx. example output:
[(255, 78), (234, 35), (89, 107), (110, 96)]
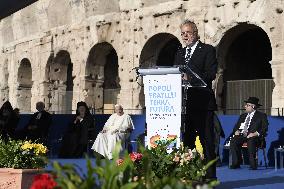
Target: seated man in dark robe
[(74, 142), (8, 121), (38, 126)]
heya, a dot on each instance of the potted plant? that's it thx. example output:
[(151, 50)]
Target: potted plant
[(19, 162)]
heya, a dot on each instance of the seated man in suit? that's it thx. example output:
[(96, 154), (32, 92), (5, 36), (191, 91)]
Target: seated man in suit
[(250, 128), (117, 128), (38, 126)]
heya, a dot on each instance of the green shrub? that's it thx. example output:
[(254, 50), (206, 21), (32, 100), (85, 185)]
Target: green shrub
[(152, 169), (22, 154)]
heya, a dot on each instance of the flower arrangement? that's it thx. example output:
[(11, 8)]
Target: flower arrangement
[(183, 163), (182, 168), (22, 154)]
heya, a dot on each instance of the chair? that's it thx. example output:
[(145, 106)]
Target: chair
[(262, 146), (91, 139)]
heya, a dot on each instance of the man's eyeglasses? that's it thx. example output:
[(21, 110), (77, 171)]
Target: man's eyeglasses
[(187, 33), (249, 105)]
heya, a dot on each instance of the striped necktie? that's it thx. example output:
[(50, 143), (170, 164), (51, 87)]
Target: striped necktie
[(245, 132), (187, 54)]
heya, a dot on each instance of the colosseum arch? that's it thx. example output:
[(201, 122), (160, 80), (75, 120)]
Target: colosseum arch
[(25, 83), (159, 50), (102, 79), (244, 54), (59, 79)]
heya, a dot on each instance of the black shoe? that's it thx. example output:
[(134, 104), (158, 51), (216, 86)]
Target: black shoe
[(234, 167)]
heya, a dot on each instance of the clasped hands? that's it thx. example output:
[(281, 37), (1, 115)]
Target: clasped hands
[(78, 118), (249, 135), (113, 132)]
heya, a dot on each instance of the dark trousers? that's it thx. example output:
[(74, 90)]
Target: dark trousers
[(235, 148), (200, 122), (71, 146)]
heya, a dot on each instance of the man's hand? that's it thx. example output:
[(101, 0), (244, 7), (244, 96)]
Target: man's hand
[(185, 77), (237, 132), (78, 118), (115, 131), (252, 135)]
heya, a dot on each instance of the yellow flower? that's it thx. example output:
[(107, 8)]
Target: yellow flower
[(181, 146), (198, 146), (37, 148), (27, 146)]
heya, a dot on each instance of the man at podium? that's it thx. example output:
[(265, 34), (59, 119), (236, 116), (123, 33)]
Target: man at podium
[(200, 59)]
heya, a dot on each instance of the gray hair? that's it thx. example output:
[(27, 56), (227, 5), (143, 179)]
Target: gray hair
[(191, 23), (118, 105)]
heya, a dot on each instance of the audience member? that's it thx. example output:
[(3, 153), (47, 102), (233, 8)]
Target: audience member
[(8, 121), (75, 141), (250, 128), (38, 126), (117, 128)]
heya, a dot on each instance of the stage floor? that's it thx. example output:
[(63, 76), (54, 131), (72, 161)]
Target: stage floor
[(237, 178)]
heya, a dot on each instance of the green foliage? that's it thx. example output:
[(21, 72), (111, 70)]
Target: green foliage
[(105, 175), (161, 161), (180, 163), (13, 156), (156, 170)]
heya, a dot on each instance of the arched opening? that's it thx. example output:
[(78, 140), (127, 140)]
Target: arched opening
[(60, 82), (102, 79), (244, 56), (24, 86), (159, 50)]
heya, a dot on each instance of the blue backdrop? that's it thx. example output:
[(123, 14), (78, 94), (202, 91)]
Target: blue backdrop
[(60, 124)]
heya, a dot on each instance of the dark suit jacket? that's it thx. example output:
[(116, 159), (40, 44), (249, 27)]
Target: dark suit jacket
[(258, 123), (80, 129), (203, 62), (41, 126)]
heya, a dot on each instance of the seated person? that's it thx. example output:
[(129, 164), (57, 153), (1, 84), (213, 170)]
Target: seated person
[(117, 128), (250, 128), (38, 127), (8, 121), (75, 141)]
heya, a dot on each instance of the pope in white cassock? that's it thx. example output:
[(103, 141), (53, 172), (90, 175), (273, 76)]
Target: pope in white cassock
[(117, 128)]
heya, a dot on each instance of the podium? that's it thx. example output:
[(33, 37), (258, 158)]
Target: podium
[(163, 89)]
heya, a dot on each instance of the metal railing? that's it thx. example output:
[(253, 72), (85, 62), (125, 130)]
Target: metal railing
[(240, 90)]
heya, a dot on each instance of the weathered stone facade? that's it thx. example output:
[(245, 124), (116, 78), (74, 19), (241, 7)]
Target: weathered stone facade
[(64, 51)]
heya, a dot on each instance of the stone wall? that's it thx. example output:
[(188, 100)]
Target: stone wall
[(52, 34)]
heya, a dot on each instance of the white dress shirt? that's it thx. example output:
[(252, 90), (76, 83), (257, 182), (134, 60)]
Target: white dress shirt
[(193, 47), (249, 116)]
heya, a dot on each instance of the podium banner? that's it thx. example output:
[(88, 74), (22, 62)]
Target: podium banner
[(163, 108)]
